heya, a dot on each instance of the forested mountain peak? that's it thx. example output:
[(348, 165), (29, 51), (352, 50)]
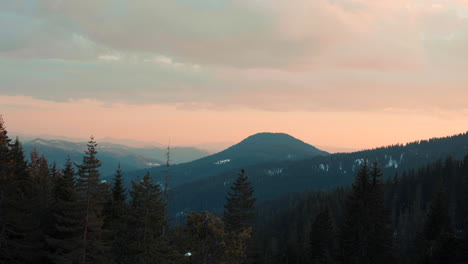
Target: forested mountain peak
[(256, 149)]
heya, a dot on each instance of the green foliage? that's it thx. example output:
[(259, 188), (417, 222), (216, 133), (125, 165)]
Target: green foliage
[(144, 224), (436, 241), (239, 209), (64, 237), (206, 237), (21, 228), (322, 238), (92, 198)]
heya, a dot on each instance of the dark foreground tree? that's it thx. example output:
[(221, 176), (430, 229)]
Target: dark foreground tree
[(116, 214), (22, 229), (365, 235), (322, 238), (239, 209), (239, 212), (92, 195), (206, 238), (145, 243), (381, 248), (64, 237), (436, 242)]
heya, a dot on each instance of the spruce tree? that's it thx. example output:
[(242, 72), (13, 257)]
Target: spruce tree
[(92, 194), (40, 173), (4, 185), (239, 208), (4, 152), (22, 229), (238, 216), (64, 237), (322, 238), (205, 236), (380, 230), (354, 236), (436, 241), (119, 196), (144, 224), (116, 215)]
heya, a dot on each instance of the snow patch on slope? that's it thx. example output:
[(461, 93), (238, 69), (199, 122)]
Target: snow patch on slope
[(221, 162)]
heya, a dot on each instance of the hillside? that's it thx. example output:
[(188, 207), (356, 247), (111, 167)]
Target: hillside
[(256, 149), (275, 179), (110, 154)]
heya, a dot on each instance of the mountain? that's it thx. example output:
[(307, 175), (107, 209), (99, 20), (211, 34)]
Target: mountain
[(258, 148), (274, 179), (110, 154)]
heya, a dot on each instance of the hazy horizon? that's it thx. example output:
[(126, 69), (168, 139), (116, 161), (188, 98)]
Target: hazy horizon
[(211, 147), (360, 74)]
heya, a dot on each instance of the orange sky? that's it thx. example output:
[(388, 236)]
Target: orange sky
[(343, 73), (189, 127)]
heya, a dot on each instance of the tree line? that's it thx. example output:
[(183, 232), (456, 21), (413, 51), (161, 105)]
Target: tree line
[(420, 216), (68, 215)]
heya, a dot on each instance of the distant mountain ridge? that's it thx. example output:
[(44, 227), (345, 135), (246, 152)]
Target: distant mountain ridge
[(256, 149), (110, 154), (275, 179)]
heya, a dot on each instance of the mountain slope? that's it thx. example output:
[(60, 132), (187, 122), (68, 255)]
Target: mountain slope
[(275, 179), (258, 148), (110, 154)]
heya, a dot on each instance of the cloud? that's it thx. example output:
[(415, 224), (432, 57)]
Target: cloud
[(313, 55)]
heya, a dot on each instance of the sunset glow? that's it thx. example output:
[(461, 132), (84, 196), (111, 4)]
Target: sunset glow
[(342, 73)]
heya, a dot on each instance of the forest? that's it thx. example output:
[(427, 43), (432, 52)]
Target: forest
[(70, 215)]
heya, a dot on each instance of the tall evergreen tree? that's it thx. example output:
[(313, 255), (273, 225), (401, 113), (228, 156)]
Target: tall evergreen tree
[(118, 206), (380, 230), (239, 208), (322, 238), (436, 242), (64, 236), (366, 235), (145, 222), (238, 216), (4, 185), (22, 229), (354, 239), (92, 195), (206, 238), (40, 173), (116, 216)]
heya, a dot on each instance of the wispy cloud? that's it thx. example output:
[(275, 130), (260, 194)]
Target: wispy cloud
[(282, 56)]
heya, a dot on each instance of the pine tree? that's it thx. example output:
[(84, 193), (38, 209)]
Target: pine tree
[(380, 230), (239, 209), (4, 185), (206, 237), (354, 236), (238, 216), (322, 238), (119, 196), (22, 229), (92, 194), (40, 174), (116, 214), (144, 224), (436, 242), (4, 152), (64, 237)]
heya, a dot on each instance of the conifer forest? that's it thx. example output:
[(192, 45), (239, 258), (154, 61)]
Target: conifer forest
[(233, 132), (68, 214)]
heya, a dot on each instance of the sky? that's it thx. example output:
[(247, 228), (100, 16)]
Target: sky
[(343, 73)]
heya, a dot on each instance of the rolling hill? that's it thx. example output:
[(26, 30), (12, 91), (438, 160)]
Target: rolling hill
[(110, 154), (275, 179), (256, 149)]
